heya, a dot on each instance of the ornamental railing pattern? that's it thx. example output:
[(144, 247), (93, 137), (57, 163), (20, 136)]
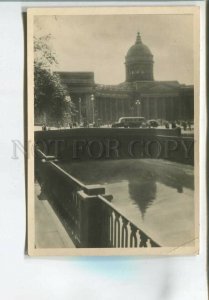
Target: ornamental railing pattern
[(119, 232)]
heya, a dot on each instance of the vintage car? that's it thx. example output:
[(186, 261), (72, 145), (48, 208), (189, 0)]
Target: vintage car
[(130, 122), (152, 123)]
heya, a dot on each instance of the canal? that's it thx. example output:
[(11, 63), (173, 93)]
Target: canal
[(156, 195)]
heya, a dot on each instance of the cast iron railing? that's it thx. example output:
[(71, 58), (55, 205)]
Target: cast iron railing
[(119, 232)]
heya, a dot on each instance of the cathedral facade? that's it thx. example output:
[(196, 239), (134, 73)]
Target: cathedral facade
[(139, 95)]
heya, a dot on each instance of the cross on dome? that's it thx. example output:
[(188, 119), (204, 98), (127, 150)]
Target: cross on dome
[(138, 38)]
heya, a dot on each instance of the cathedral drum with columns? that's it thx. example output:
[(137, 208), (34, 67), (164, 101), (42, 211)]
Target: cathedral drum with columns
[(139, 95), (139, 62)]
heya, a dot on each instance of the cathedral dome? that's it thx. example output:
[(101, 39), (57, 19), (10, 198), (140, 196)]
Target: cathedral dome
[(139, 62), (139, 52)]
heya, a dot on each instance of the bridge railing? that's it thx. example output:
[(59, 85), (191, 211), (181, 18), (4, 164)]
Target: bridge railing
[(85, 211), (89, 144), (119, 232)]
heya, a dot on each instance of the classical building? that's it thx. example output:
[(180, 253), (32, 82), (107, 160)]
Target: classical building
[(139, 95)]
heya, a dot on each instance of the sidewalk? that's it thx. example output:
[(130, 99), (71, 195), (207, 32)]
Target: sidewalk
[(49, 231)]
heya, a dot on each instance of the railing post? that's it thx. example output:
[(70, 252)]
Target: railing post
[(91, 220)]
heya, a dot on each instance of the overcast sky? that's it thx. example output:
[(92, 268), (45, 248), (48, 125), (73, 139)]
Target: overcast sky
[(100, 43)]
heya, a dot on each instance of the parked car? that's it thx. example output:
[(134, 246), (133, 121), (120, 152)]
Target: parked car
[(129, 122), (152, 123)]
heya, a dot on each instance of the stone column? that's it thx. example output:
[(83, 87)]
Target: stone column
[(147, 108), (155, 108)]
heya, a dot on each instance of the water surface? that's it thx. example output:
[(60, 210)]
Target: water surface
[(156, 195)]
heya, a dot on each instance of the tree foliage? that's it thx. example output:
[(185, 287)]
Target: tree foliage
[(49, 93)]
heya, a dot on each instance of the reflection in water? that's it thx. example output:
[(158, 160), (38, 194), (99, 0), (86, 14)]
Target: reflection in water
[(143, 193), (141, 176), (162, 191)]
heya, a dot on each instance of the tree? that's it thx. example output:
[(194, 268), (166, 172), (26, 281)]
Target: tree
[(49, 93)]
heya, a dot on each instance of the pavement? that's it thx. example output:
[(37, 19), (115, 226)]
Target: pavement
[(49, 231)]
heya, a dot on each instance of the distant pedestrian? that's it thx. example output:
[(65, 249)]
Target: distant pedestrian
[(44, 127), (173, 125), (184, 124), (166, 125), (189, 125)]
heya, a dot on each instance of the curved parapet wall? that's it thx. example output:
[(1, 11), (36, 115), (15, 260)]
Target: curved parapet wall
[(116, 143)]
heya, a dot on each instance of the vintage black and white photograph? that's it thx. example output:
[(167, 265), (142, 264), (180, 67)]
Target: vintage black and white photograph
[(113, 113)]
